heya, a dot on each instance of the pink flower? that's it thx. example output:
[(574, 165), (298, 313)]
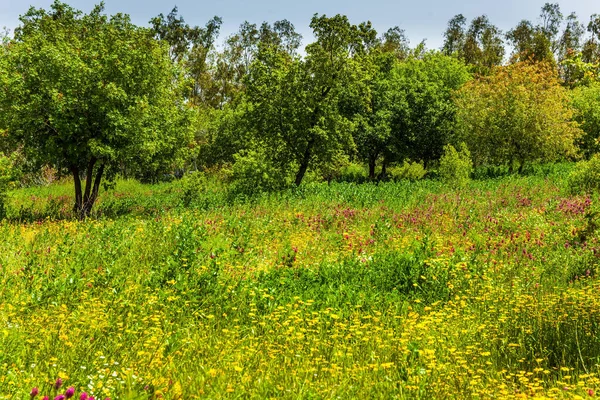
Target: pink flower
[(34, 392), (590, 392), (84, 396), (60, 397), (46, 398), (70, 392), (58, 383)]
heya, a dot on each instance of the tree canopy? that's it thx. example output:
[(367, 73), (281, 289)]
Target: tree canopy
[(87, 93)]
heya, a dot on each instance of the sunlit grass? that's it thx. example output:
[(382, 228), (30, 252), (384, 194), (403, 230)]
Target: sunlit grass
[(397, 290)]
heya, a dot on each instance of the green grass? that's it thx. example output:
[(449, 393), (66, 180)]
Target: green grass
[(389, 290)]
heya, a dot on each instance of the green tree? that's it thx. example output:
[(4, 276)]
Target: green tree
[(293, 103), (88, 93), (483, 47), (591, 47), (519, 114), (368, 103), (454, 37), (422, 110), (586, 102)]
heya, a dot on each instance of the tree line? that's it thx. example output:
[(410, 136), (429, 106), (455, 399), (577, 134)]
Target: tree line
[(95, 96)]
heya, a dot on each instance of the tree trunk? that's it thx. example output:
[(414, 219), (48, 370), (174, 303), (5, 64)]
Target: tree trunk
[(85, 198), (91, 200), (78, 196), (372, 163), (304, 162), (383, 173)]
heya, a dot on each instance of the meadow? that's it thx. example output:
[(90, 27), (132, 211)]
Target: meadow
[(390, 290)]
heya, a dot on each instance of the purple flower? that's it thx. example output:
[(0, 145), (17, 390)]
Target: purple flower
[(60, 397), (46, 398), (70, 392), (34, 392), (58, 384), (84, 396)]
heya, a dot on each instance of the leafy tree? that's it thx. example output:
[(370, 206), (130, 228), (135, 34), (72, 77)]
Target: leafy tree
[(576, 72), (192, 47), (570, 45), (368, 103), (454, 37), (483, 47), (519, 114), (529, 43), (586, 102), (394, 41), (591, 48), (550, 20), (293, 103), (88, 93), (571, 38), (422, 112)]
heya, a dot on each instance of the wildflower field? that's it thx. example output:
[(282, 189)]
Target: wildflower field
[(396, 290)]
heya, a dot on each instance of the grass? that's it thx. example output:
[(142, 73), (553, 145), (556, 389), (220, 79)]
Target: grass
[(396, 290)]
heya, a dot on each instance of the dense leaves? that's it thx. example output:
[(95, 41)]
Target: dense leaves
[(519, 114), (87, 93)]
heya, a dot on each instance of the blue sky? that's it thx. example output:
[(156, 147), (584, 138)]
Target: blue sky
[(422, 19)]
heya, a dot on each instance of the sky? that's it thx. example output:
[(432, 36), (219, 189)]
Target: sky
[(421, 19)]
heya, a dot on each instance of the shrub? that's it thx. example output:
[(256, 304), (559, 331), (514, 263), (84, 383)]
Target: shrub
[(7, 179), (412, 171), (586, 176), (353, 172), (192, 184), (253, 173), (456, 166)]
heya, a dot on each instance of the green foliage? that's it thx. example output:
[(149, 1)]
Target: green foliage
[(353, 172), (520, 114), (456, 167), (192, 185), (585, 178), (412, 171), (8, 177), (254, 172), (89, 94), (423, 113), (293, 103), (586, 103)]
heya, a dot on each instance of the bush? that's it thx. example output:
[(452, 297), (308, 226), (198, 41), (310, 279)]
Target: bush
[(8, 177), (456, 166), (192, 184), (352, 172), (586, 176), (412, 171), (253, 173)]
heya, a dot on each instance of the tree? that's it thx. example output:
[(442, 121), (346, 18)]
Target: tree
[(550, 20), (570, 40), (529, 43), (368, 103), (422, 111), (591, 48), (586, 102), (88, 93), (190, 46), (394, 41), (517, 115), (454, 37), (293, 103), (483, 47)]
